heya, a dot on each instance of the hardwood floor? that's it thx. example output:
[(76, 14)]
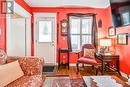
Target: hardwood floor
[(86, 71)]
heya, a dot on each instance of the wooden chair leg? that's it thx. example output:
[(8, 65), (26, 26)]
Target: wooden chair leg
[(83, 65), (93, 67), (96, 71), (77, 68)]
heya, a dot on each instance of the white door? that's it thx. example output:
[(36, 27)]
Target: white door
[(45, 43), (16, 37)]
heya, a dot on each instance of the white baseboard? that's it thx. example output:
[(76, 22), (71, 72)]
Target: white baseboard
[(124, 75), (73, 64)]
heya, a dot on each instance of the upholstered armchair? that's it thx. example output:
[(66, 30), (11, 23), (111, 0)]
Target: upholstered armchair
[(88, 57)]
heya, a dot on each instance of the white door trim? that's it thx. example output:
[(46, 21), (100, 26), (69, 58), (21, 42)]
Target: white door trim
[(25, 14), (38, 15)]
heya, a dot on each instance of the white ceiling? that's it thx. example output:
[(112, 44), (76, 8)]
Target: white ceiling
[(68, 3)]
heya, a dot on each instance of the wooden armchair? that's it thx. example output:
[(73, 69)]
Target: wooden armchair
[(88, 57)]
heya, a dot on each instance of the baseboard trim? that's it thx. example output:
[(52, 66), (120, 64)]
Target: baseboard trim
[(73, 64), (124, 75)]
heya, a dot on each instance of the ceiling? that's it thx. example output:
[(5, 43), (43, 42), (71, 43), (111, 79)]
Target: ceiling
[(68, 3)]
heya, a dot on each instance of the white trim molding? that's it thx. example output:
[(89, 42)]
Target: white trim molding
[(69, 3), (20, 12)]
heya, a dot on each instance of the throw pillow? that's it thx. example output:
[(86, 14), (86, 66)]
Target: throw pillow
[(10, 72), (89, 53)]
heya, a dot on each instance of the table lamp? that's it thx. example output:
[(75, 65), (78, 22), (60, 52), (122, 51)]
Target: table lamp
[(105, 43)]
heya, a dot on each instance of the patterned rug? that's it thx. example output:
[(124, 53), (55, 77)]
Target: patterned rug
[(77, 83), (62, 81)]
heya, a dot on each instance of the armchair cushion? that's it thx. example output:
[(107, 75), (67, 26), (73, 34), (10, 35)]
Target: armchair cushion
[(89, 52), (89, 60)]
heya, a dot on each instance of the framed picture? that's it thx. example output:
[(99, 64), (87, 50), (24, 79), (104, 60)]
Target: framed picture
[(112, 31), (122, 39), (64, 27)]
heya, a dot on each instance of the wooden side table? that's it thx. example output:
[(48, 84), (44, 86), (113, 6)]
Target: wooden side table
[(110, 58), (61, 50)]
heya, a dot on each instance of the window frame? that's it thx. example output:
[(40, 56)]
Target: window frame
[(81, 29)]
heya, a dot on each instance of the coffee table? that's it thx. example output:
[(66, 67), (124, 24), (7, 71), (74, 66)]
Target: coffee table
[(103, 81)]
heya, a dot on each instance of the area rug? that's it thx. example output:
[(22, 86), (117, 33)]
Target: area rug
[(57, 82), (62, 81), (48, 69)]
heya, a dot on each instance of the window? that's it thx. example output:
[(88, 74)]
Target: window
[(45, 31), (80, 31)]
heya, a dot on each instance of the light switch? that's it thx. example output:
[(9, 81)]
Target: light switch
[(63, 38)]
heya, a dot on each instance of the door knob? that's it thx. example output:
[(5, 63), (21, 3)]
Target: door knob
[(52, 44)]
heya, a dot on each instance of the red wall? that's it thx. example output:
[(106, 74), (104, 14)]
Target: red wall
[(124, 51), (3, 29), (102, 14)]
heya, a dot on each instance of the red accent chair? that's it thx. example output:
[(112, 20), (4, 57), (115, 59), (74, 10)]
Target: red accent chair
[(88, 60)]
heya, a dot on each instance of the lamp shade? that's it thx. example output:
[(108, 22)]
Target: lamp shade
[(105, 42)]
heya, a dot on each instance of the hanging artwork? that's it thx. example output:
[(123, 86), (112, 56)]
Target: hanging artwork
[(112, 31), (122, 39)]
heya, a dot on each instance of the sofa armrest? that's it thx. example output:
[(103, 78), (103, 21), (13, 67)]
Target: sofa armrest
[(29, 65)]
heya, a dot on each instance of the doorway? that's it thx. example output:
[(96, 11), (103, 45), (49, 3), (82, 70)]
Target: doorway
[(45, 36), (16, 38), (18, 32)]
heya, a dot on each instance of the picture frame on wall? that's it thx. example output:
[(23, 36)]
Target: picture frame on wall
[(64, 27), (122, 39), (112, 31)]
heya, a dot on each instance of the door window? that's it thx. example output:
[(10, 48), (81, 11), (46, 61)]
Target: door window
[(45, 31)]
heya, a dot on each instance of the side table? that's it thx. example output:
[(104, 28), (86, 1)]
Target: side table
[(110, 58), (63, 50)]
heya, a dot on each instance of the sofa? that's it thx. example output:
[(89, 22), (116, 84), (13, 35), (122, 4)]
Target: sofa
[(32, 68)]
